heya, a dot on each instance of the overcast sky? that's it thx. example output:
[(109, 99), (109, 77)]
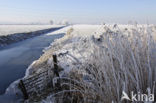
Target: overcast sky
[(78, 11)]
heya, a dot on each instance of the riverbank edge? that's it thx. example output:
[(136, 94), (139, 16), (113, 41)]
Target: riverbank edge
[(13, 38), (13, 88)]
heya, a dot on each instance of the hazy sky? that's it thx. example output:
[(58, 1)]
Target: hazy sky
[(78, 11)]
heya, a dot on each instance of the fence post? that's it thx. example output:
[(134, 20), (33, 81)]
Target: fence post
[(56, 71), (23, 89)]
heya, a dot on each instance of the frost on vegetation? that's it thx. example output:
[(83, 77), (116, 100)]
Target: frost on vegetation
[(102, 65)]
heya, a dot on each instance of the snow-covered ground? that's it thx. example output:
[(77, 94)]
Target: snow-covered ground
[(79, 43), (12, 29), (104, 46), (85, 45), (14, 33)]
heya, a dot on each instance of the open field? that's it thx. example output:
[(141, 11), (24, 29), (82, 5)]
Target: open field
[(12, 29), (14, 33)]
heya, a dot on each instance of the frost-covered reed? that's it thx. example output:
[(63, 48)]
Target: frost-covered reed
[(120, 60)]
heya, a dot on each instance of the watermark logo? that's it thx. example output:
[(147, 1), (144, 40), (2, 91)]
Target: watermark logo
[(139, 97)]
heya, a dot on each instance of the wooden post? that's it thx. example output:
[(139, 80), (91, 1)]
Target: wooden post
[(56, 71), (23, 89)]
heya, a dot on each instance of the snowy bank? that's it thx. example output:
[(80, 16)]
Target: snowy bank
[(19, 35), (13, 29), (104, 60)]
